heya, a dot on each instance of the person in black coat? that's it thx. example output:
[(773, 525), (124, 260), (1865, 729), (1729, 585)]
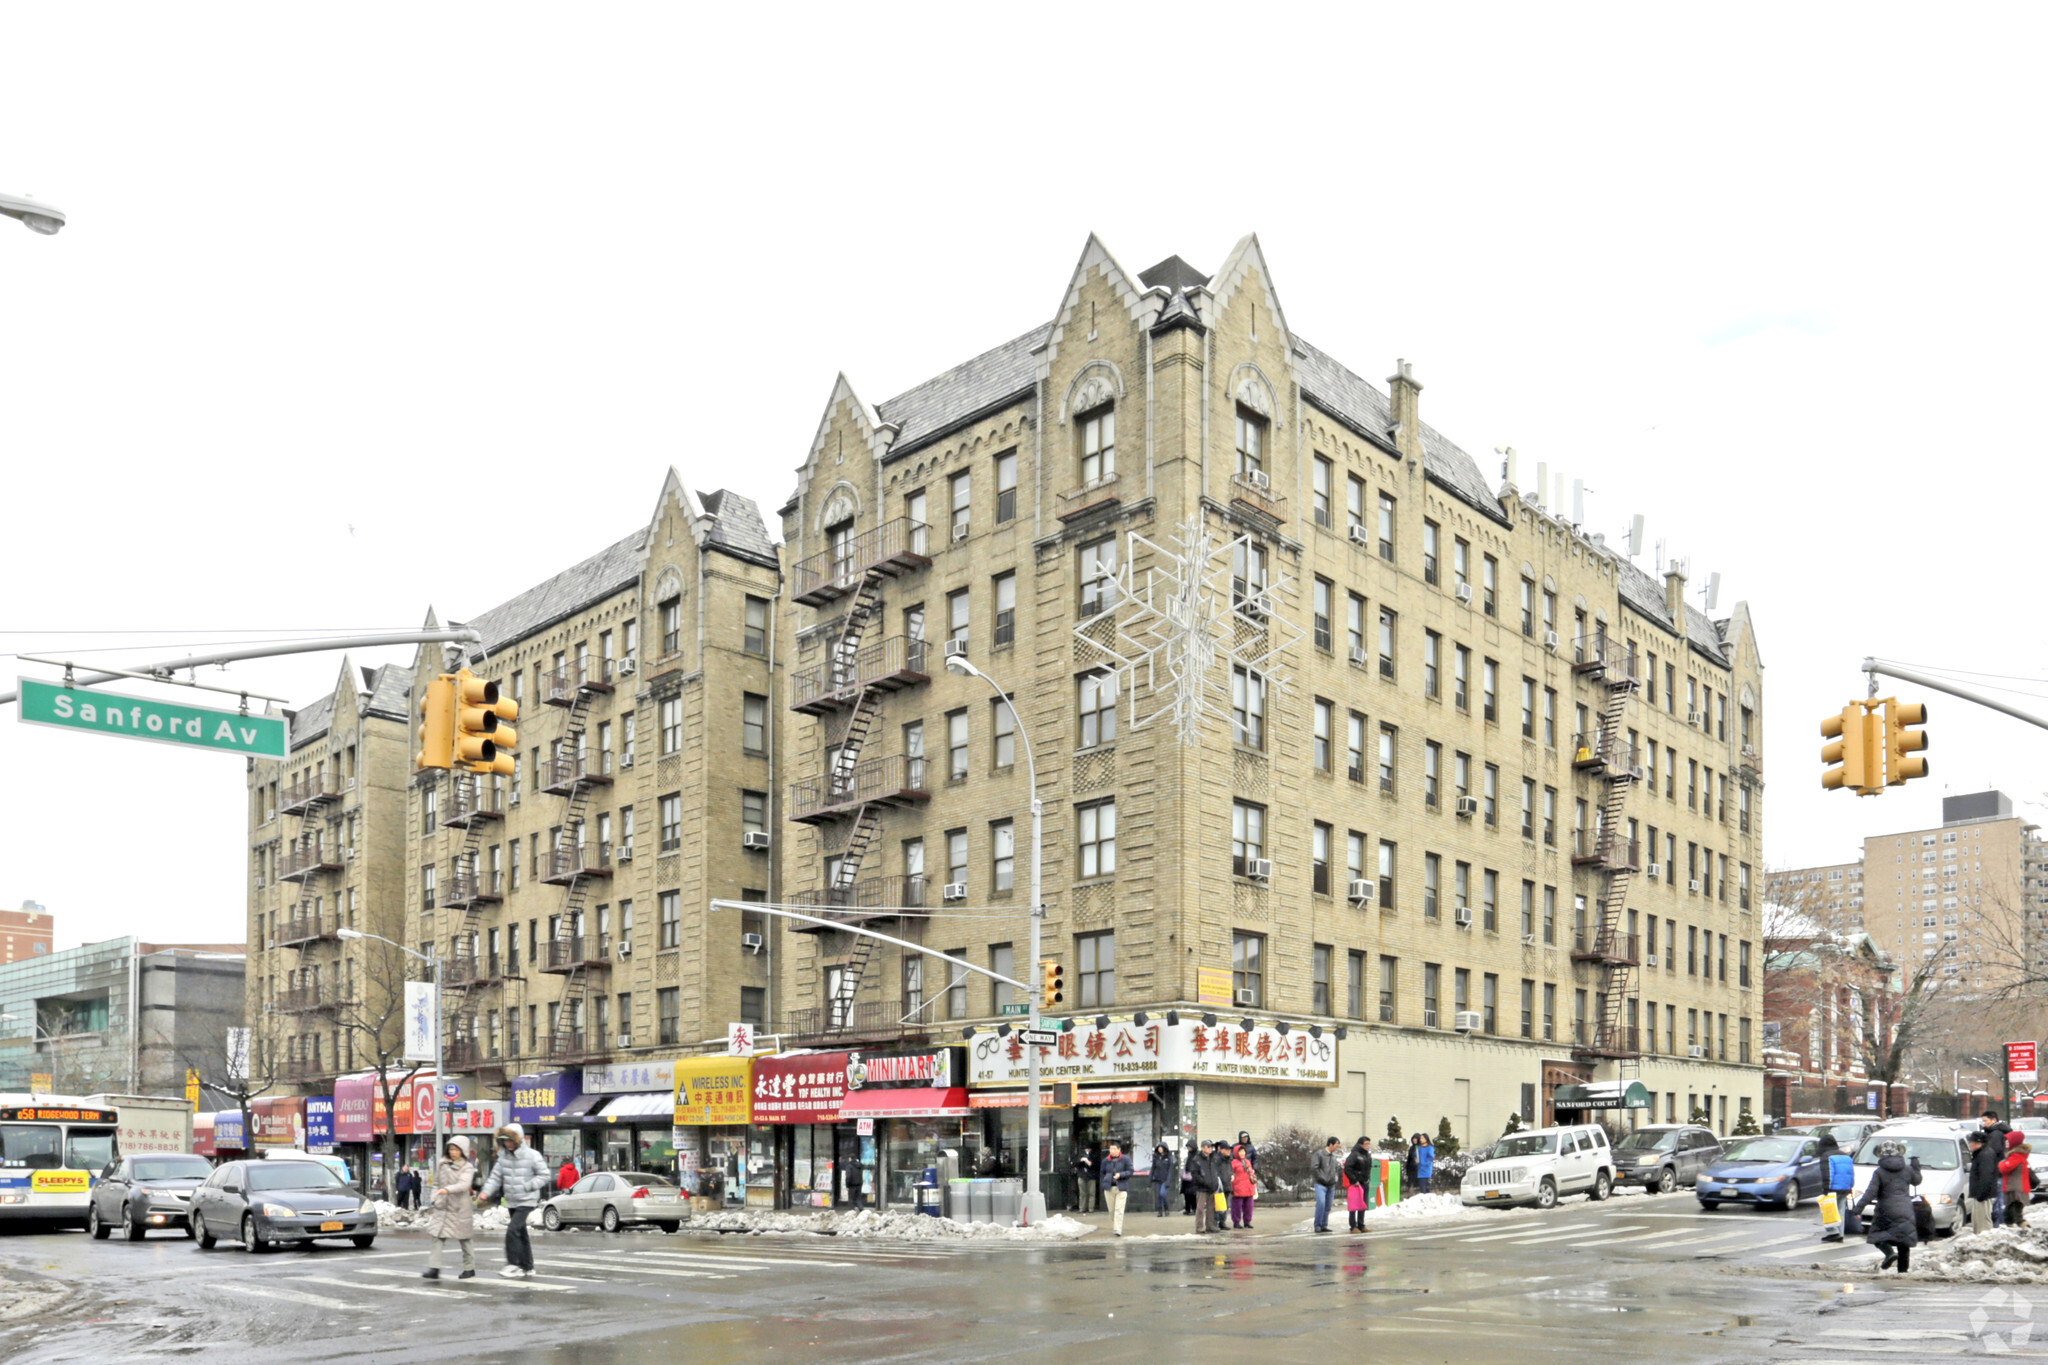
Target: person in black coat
[(1201, 1172), (1984, 1181), (1358, 1169), (1891, 1191)]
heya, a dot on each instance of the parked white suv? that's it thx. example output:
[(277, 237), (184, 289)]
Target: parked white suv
[(1541, 1164)]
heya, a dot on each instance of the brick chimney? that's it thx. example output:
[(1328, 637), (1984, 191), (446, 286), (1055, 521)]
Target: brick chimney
[(1406, 428), (1674, 593)]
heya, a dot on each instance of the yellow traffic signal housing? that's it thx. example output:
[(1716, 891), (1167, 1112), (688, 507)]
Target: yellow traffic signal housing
[(437, 724), (484, 740), (1900, 741), (1857, 744), (1054, 984)]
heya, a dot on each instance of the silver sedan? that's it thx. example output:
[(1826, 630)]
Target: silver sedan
[(609, 1198)]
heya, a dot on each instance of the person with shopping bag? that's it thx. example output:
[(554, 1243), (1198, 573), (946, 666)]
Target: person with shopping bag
[(1839, 1170), (1357, 1180)]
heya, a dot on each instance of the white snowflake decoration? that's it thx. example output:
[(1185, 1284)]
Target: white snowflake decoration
[(1189, 622)]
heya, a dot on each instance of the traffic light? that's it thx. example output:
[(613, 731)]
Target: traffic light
[(1857, 745), (1053, 984), (484, 740), (1900, 741), (437, 724)]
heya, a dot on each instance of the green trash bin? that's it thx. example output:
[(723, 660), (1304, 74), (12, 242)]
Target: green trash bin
[(1389, 1181)]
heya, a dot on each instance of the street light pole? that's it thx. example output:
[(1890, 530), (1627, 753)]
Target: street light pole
[(1034, 1200), (433, 960)]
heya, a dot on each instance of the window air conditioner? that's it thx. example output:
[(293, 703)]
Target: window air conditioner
[(1358, 655), (1462, 917), (1468, 806), (1528, 940), (1636, 772), (1257, 479), (1693, 884), (1255, 608), (1654, 871), (1465, 593), (1249, 998), (1259, 869), (1550, 641), (625, 855), (960, 530), (1696, 1052), (956, 647), (754, 838), (1749, 751), (956, 891), (627, 666), (1695, 717), (1359, 536), (753, 943), (625, 947), (1650, 961), (625, 1040), (1362, 891), (1466, 1021)]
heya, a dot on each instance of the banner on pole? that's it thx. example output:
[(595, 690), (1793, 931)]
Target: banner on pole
[(420, 1020)]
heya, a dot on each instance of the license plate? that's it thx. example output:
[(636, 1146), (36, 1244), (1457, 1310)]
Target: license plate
[(330, 1227), (1493, 1194)]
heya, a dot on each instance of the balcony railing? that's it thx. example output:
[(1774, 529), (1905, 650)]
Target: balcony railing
[(1592, 749), (1608, 851), (576, 1045), (564, 865), (863, 1020), (894, 780), (310, 789), (861, 902), (560, 686), (1596, 946), (886, 665), (1605, 656), (477, 969), (1605, 1040), (304, 1070), (1104, 492), (472, 888), (562, 774), (306, 999), (581, 950), (470, 803), (894, 547), (303, 929), (1263, 502), (301, 861)]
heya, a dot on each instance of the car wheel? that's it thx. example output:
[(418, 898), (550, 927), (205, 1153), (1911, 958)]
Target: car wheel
[(1792, 1197), (94, 1224), (206, 1240), (137, 1229), (249, 1237), (1667, 1181), (1546, 1194), (364, 1242), (551, 1218), (609, 1221), (1710, 1204), (190, 1230), (1603, 1185), (671, 1228)]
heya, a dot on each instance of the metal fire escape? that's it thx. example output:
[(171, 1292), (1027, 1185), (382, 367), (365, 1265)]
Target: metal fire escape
[(1607, 847), (573, 863)]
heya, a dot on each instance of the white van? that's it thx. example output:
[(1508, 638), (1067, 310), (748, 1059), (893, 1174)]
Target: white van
[(1542, 1164)]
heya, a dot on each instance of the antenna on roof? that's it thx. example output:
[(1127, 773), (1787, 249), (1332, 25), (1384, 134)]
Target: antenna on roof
[(1542, 483), (1578, 502), (1557, 500), (1713, 591), (1507, 462), (1635, 536), (1660, 555)]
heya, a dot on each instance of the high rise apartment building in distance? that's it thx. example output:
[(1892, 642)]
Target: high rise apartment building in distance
[(27, 932)]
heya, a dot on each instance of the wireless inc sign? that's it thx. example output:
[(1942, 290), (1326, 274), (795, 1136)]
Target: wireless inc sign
[(190, 727)]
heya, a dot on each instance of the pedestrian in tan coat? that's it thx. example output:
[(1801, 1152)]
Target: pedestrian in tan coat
[(451, 1214)]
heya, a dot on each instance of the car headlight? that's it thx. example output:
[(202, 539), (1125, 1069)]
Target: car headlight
[(277, 1211), (1519, 1175)]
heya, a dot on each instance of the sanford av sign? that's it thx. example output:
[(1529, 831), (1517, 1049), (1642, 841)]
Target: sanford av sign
[(1157, 1051)]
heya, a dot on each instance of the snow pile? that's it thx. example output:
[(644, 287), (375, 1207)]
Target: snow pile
[(2000, 1256), (391, 1218), (877, 1226)]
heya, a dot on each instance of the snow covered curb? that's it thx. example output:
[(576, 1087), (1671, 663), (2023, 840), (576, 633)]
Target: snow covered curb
[(898, 1227), (1435, 1208), (2000, 1256), (391, 1218)]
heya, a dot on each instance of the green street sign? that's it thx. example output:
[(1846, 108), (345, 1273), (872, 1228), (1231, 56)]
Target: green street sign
[(1016, 1009), (189, 727)]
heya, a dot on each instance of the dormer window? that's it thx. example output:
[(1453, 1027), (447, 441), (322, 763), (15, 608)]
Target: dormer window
[(1251, 444)]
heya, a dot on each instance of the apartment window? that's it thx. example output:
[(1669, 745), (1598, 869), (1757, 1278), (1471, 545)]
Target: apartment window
[(1461, 678), (1432, 876), (1489, 690), (1003, 854), (753, 812), (957, 615), (1528, 912), (1006, 487), (1354, 505), (1002, 960), (671, 822), (427, 889), (913, 753), (1095, 958), (1671, 689), (1429, 551), (1550, 717), (1004, 726), (1387, 855), (1324, 600), (1251, 444), (956, 744), (1390, 975), (1098, 574), (1529, 607), (1528, 808), (1354, 857), (668, 1016), (1355, 627), (1321, 491), (1528, 708), (1742, 896), (1247, 572), (671, 716), (670, 919), (1098, 708), (1248, 707), (1550, 915), (1550, 816), (1549, 612), (1319, 859), (628, 729), (1549, 1011), (1005, 587), (1692, 950), (1431, 974), (1247, 835), (1489, 794), (672, 624), (1098, 445), (604, 746), (1354, 746), (430, 809), (1432, 657), (956, 985), (1528, 1008), (1386, 642), (753, 723), (956, 857), (754, 634), (1387, 734), (1319, 979), (1692, 783), (1432, 772), (963, 496), (914, 512), (1322, 739), (1097, 838), (1489, 901), (1386, 526), (1354, 984), (1248, 969)]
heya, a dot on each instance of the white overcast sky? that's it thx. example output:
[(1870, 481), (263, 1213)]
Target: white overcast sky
[(1771, 276)]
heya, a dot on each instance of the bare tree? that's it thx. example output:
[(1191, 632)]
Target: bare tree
[(265, 1069), (372, 1019)]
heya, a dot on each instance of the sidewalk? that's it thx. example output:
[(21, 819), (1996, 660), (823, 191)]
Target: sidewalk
[(1267, 1221)]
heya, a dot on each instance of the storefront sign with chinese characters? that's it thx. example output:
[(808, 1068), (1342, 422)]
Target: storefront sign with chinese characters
[(538, 1098), (625, 1078), (713, 1092), (1261, 1055), (806, 1089)]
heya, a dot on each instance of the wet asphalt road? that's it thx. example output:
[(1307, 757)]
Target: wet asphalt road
[(1634, 1278)]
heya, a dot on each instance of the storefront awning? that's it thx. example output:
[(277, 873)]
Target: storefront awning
[(1019, 1099), (577, 1110), (659, 1104), (1602, 1095), (914, 1103)]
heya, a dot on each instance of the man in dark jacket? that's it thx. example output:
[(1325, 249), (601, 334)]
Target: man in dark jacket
[(1891, 1191), (1084, 1180), (1202, 1174), (1219, 1162), (1326, 1168), (1997, 1136), (1983, 1192), (1116, 1185)]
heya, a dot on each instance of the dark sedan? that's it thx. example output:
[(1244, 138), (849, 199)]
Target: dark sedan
[(262, 1204), (153, 1190)]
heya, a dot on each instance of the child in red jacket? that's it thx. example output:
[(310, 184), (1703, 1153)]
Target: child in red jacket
[(2019, 1181)]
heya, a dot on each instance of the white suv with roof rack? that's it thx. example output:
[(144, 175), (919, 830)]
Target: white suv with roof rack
[(1540, 1165)]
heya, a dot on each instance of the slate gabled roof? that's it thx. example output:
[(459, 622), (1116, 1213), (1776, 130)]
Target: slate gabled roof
[(312, 720), (610, 570), (737, 527), (940, 405), (1368, 411), (1645, 593), (391, 693)]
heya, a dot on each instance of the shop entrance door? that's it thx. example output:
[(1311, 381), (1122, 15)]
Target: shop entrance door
[(1088, 1142), (852, 1152)]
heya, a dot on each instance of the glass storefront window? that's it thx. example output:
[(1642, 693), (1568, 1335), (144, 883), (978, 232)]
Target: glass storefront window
[(657, 1150)]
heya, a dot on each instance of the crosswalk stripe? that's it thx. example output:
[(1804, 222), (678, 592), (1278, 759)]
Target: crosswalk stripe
[(1588, 1234), (1670, 1243), (594, 1263), (377, 1288), (286, 1296), (494, 1281), (713, 1258)]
